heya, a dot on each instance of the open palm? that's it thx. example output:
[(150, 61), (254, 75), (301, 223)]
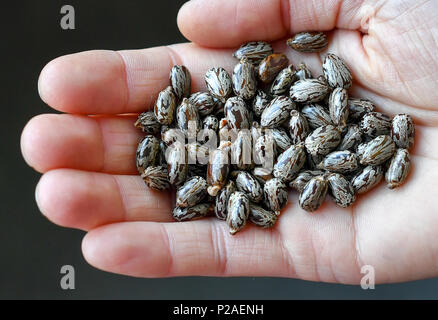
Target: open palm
[(87, 156)]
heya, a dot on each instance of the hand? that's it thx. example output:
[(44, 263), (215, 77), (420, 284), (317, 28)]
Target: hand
[(87, 155)]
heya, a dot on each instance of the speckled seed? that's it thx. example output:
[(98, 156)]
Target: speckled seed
[(238, 211), (308, 41), (210, 122), (275, 194), (377, 151), (148, 123), (341, 190), (316, 115), (203, 102), (254, 51), (367, 179), (244, 79), (303, 72), (260, 102), (191, 192), (298, 127), (323, 140), (351, 139), (241, 150), (308, 90), (283, 81), (336, 72), (398, 169), (181, 81), (218, 168), (271, 65), (187, 116), (262, 174), (403, 131), (303, 178), (198, 211), (249, 185), (222, 200), (147, 151), (177, 163), (219, 83), (340, 161), (277, 112), (156, 178), (358, 108), (313, 194), (237, 114), (165, 106), (290, 162), (338, 106), (374, 124), (262, 217)]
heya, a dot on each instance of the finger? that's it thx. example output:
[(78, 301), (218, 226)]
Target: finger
[(203, 247), (108, 82), (217, 23), (85, 200), (106, 144)]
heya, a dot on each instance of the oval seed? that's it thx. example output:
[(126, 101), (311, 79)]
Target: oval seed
[(249, 185), (254, 51), (336, 72), (265, 150), (403, 131), (358, 108), (198, 211), (241, 150), (277, 112), (377, 151), (275, 194), (187, 117), (203, 102), (148, 123), (308, 90), (261, 217), (298, 127), (147, 151), (271, 65), (262, 174), (181, 81), (177, 163), (290, 162), (237, 114), (313, 194), (341, 190), (191, 192), (352, 138), (260, 102), (165, 106), (222, 200), (374, 124), (308, 41), (218, 168), (219, 83), (316, 115), (238, 211), (338, 106), (323, 140), (281, 138), (303, 178), (367, 179), (156, 177), (398, 169), (283, 81), (244, 80), (340, 161)]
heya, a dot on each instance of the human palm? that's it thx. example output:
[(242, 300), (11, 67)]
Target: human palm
[(87, 155)]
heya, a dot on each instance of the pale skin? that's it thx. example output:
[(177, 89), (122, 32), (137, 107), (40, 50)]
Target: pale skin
[(90, 181)]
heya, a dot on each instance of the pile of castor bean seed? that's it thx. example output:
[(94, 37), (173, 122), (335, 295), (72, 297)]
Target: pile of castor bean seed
[(234, 150)]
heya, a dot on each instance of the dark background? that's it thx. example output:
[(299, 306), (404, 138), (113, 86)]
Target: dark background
[(32, 250)]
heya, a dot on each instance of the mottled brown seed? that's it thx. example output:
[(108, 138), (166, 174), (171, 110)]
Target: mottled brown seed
[(249, 185), (191, 192), (316, 115), (148, 123), (237, 114), (308, 41), (203, 102), (156, 177), (187, 117), (222, 198), (277, 112), (308, 90), (313, 194), (219, 83), (283, 81), (244, 80), (271, 65), (181, 81), (338, 106), (303, 178), (374, 124), (262, 217), (336, 72), (260, 102), (238, 211), (367, 179), (165, 106), (177, 163), (377, 151), (340, 161), (398, 169), (358, 108), (403, 131), (241, 150), (254, 51), (218, 168), (281, 139), (323, 140), (303, 72), (298, 127), (290, 162), (351, 139), (341, 190), (147, 151), (275, 194), (191, 213)]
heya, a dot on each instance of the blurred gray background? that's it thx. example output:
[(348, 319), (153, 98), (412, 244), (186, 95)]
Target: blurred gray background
[(32, 249)]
